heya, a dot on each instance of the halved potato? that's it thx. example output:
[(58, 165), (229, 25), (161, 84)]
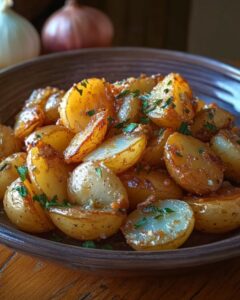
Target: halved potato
[(51, 107), (192, 164), (140, 185), (209, 121), (9, 144), (130, 109), (162, 225), (8, 172), (87, 140), (23, 211), (218, 212), (48, 172), (120, 152), (153, 154), (56, 136), (83, 99), (171, 102), (101, 202), (28, 120), (40, 96), (226, 144)]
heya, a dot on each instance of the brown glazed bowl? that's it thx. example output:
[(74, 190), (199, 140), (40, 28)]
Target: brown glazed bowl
[(210, 80)]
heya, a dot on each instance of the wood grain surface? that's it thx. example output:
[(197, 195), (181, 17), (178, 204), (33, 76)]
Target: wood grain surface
[(23, 277)]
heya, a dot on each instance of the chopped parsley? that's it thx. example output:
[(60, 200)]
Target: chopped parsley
[(121, 124), (140, 223), (168, 102), (144, 120), (178, 153), (158, 212), (145, 97), (22, 191), (110, 120), (136, 93), (159, 132), (38, 135), (169, 82), (130, 127), (22, 172), (123, 94), (184, 129), (200, 150), (147, 109), (84, 83), (3, 167), (166, 90), (210, 127), (99, 171), (90, 113), (89, 244), (45, 203), (78, 90)]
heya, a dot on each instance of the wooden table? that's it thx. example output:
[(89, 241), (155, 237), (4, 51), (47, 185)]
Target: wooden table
[(24, 277)]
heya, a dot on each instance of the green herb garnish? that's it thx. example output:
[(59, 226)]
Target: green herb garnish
[(168, 102), (78, 90), (84, 83), (90, 113), (169, 82), (22, 191), (89, 244), (178, 154), (120, 125), (184, 129), (166, 90), (130, 127), (3, 167), (110, 120), (136, 93), (158, 212), (123, 94), (200, 150), (99, 171), (38, 135), (210, 127), (140, 223), (22, 172), (144, 120), (46, 203)]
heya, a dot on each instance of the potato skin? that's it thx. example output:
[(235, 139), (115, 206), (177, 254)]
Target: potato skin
[(51, 107), (56, 136), (192, 164), (23, 212), (140, 185), (150, 230), (8, 172), (48, 172), (226, 144), (120, 152), (40, 96), (209, 121), (218, 212), (176, 102), (9, 144), (91, 94), (87, 140)]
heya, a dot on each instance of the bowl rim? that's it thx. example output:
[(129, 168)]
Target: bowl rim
[(212, 252)]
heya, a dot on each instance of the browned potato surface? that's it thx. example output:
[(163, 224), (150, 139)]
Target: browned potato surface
[(192, 164)]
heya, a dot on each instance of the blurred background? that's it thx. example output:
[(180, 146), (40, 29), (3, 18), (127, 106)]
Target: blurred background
[(209, 28)]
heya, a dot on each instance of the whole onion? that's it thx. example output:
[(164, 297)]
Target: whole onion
[(76, 26)]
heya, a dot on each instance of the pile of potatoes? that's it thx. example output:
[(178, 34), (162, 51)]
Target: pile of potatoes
[(141, 155)]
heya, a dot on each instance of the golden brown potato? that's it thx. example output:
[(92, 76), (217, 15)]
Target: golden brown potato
[(100, 203), (130, 109), (22, 211), (40, 96), (56, 136), (9, 144), (51, 107), (8, 172), (153, 154), (170, 102), (218, 212), (87, 140), (140, 185), (48, 172), (84, 99), (28, 120), (192, 164), (198, 104), (209, 121), (162, 225), (120, 152), (226, 145)]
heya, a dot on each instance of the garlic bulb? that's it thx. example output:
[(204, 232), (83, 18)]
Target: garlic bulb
[(19, 40), (76, 26)]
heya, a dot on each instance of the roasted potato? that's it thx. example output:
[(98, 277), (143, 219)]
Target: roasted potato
[(28, 120), (48, 172), (51, 107), (218, 212), (101, 202), (130, 109), (40, 96), (83, 99), (192, 164), (161, 225), (56, 136), (9, 144), (153, 154), (23, 211), (209, 121), (8, 172), (120, 152), (226, 144), (87, 140), (142, 184), (170, 102)]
